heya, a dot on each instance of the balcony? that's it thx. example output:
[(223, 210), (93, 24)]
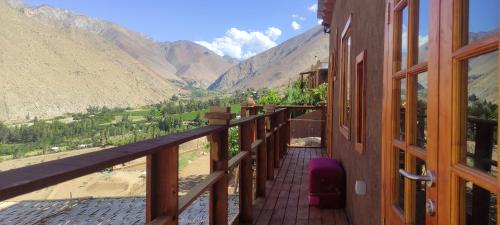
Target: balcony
[(271, 173)]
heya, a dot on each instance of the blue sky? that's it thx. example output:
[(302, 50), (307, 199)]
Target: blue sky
[(208, 22)]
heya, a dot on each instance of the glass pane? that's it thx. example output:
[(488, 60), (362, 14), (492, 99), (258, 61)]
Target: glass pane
[(404, 38), (423, 30), (348, 82), (482, 112), (400, 184), (401, 110), (482, 20), (480, 205), (422, 110), (420, 196)]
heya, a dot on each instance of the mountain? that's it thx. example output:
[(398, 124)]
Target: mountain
[(137, 45), (276, 66), (194, 63), (182, 62), (47, 72)]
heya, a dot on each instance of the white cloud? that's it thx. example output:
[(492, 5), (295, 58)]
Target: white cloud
[(313, 7), (423, 40), (273, 32), (320, 21), (295, 16), (295, 25), (242, 44)]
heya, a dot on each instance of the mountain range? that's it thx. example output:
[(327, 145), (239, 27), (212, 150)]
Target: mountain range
[(277, 66), (55, 61)]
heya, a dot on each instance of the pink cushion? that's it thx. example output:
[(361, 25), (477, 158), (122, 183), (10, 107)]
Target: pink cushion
[(326, 183)]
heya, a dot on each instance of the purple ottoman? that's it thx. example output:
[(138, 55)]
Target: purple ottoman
[(326, 183)]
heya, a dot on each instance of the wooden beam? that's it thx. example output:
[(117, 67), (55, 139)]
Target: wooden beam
[(246, 184), (162, 185), (198, 190), (219, 144), (31, 178), (261, 158)]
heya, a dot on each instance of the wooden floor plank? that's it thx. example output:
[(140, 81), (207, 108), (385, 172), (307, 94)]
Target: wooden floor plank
[(287, 201)]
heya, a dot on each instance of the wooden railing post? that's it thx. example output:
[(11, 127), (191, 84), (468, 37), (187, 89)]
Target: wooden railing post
[(244, 109), (282, 133), (323, 125), (162, 175), (270, 147), (275, 134), (219, 148), (246, 173), (252, 111), (261, 158), (287, 129)]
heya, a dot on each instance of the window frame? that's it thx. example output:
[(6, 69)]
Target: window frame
[(345, 78), (360, 102)]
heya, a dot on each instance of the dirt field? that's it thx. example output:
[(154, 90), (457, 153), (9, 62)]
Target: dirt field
[(123, 180)]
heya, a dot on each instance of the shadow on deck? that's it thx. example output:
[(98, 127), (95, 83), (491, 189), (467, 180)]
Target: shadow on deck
[(287, 195)]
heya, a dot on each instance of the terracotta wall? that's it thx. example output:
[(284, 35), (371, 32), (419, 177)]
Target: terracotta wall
[(307, 125), (367, 26)]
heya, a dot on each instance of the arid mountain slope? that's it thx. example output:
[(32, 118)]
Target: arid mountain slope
[(194, 63), (182, 62), (135, 44), (277, 66), (47, 72)]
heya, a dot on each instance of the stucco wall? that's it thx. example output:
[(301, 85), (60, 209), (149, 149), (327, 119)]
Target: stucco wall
[(307, 125), (367, 26)]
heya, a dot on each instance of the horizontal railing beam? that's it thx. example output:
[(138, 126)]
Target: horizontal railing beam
[(31, 178), (199, 189), (235, 160), (256, 144), (162, 220)]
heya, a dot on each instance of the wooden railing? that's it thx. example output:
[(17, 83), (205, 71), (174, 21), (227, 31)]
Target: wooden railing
[(290, 109), (263, 136)]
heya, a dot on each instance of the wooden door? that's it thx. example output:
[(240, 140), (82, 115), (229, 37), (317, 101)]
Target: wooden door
[(410, 132), (440, 112), (468, 113)]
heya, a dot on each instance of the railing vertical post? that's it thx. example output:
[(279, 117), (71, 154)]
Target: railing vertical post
[(282, 133), (287, 130), (252, 112), (270, 143), (261, 158), (219, 145), (323, 125), (244, 108), (277, 139), (484, 138), (275, 133), (162, 170), (245, 170)]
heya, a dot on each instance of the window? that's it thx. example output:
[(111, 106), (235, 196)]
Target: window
[(475, 69), (360, 103), (345, 81)]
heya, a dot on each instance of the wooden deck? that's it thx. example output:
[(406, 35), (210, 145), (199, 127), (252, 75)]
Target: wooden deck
[(286, 201)]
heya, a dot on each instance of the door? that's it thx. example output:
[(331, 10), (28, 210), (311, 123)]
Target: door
[(440, 112), (410, 135)]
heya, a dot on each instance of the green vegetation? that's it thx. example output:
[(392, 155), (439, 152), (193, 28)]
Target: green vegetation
[(102, 126), (482, 109), (295, 94)]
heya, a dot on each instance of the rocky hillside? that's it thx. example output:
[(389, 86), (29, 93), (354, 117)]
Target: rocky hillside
[(182, 63), (47, 72), (194, 63), (277, 66)]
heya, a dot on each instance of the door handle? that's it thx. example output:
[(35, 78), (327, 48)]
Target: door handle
[(428, 177)]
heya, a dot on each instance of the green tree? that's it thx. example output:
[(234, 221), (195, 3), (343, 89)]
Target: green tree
[(174, 98)]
